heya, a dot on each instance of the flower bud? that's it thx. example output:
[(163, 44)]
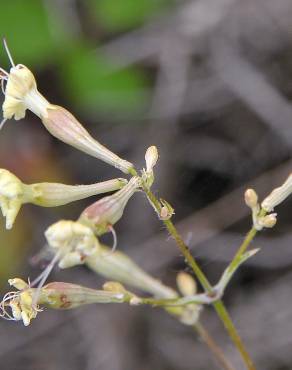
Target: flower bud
[(186, 284), (104, 213), (251, 198), (278, 195), (151, 158), (190, 314), (114, 286), (166, 211), (118, 288), (268, 221)]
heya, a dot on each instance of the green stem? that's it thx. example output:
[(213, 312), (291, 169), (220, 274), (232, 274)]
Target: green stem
[(218, 305), (245, 244), (243, 247), (229, 326)]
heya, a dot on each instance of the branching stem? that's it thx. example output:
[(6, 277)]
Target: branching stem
[(218, 305)]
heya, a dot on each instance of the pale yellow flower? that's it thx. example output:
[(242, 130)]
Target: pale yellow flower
[(21, 93), (14, 193)]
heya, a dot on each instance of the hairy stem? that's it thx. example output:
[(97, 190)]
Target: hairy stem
[(218, 305)]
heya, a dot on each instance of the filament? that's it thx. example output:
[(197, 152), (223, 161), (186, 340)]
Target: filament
[(8, 53), (43, 277), (2, 123)]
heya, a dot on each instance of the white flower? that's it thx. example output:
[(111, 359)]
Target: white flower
[(73, 241)]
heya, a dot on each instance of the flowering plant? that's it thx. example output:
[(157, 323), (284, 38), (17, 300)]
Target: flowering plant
[(76, 242)]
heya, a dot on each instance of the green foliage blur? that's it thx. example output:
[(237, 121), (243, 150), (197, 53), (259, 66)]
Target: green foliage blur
[(40, 34)]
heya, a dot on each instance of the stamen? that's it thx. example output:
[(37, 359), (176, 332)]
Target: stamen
[(43, 277), (3, 88), (8, 52), (7, 297), (2, 123)]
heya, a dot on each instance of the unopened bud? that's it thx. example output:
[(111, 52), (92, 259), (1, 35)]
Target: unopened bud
[(151, 158), (268, 221), (166, 211), (190, 314), (278, 195), (135, 301), (186, 284), (104, 213), (118, 288), (251, 198), (114, 286)]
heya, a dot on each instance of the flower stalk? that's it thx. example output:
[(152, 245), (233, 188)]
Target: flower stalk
[(218, 304)]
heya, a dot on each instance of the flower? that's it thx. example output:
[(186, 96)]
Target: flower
[(14, 193), (104, 213), (21, 93), (47, 194), (24, 304), (278, 195), (76, 244), (19, 302), (151, 158), (59, 295), (72, 241)]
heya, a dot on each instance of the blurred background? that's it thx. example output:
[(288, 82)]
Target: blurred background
[(210, 83)]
